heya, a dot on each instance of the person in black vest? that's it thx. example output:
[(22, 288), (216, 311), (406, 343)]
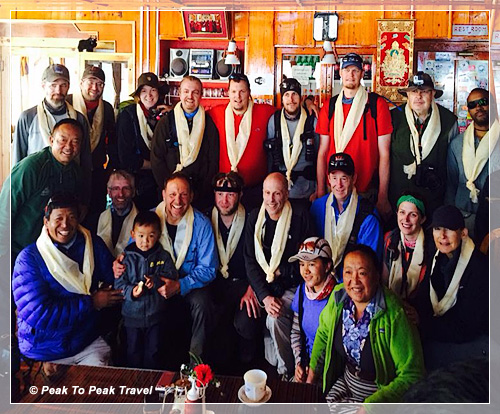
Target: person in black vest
[(419, 143), (187, 140), (292, 144), (343, 217)]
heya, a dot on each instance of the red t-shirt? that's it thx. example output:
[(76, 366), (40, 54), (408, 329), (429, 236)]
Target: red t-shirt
[(253, 164), (363, 153)]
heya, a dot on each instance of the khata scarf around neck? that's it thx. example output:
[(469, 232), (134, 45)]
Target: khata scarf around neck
[(225, 253), (343, 132), (104, 230), (337, 232), (413, 273), (450, 298), (146, 131), (474, 159), (279, 240), (46, 121), (292, 147), (65, 270), (236, 145), (179, 248), (97, 122), (428, 139), (189, 142)]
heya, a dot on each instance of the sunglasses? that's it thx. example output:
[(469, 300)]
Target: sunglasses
[(477, 102), (238, 77), (311, 246)]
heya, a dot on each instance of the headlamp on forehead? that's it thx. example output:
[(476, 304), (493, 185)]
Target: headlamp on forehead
[(226, 186)]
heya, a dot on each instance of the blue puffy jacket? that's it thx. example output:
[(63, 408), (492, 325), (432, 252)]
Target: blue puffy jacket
[(52, 322)]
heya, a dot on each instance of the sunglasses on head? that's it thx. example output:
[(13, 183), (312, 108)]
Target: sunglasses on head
[(238, 77), (477, 102), (311, 246)]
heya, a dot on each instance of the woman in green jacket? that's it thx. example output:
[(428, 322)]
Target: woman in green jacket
[(365, 349)]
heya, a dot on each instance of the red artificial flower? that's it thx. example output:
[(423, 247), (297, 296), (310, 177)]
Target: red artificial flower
[(203, 373)]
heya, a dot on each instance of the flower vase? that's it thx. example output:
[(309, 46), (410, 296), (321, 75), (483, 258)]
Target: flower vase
[(195, 398)]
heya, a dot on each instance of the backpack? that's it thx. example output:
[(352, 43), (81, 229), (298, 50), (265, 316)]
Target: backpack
[(371, 104), (365, 208)]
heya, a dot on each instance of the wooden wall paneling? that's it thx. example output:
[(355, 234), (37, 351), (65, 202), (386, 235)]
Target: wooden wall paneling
[(259, 56), (432, 24), (392, 14), (241, 21), (294, 28), (171, 25), (469, 17), (122, 37), (358, 28)]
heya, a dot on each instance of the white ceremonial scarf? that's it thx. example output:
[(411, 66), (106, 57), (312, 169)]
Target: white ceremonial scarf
[(450, 298), (428, 140), (236, 145), (46, 121), (97, 122), (65, 270), (146, 131), (413, 273), (291, 155), (474, 159), (104, 230), (337, 233), (279, 240), (343, 132), (183, 235), (189, 143), (225, 253)]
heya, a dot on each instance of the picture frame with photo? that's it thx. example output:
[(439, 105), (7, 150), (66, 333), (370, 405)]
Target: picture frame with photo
[(205, 24)]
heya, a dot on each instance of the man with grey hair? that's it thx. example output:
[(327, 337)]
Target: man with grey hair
[(35, 125), (116, 223), (273, 234)]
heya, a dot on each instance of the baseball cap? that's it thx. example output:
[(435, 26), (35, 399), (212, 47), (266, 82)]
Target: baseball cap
[(311, 249), (448, 217), (352, 59), (94, 71), (341, 162), (54, 72), (290, 84)]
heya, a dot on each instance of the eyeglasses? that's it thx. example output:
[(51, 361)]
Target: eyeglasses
[(92, 82), (477, 102), (125, 189)]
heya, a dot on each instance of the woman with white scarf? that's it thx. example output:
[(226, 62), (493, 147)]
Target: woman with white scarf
[(134, 130), (453, 299)]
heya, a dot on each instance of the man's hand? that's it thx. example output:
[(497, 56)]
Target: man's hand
[(118, 267), (301, 373), (249, 299), (311, 107), (138, 290), (164, 108), (384, 208), (149, 284), (169, 288), (313, 196), (104, 298), (311, 377), (273, 306)]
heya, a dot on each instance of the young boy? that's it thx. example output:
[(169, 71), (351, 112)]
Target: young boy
[(144, 308)]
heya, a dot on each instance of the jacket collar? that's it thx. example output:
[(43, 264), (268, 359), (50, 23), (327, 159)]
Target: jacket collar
[(340, 296)]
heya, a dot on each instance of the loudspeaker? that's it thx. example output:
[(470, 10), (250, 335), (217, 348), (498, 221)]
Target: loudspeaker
[(222, 71), (179, 65)]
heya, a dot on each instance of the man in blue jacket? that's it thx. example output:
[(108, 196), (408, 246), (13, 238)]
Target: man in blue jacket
[(343, 217), (55, 287)]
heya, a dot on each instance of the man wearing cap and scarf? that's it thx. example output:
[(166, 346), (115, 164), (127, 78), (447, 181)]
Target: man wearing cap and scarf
[(273, 234), (344, 217), (359, 124), (35, 125), (242, 129), (134, 133), (237, 306), (419, 146), (187, 140), (292, 144), (472, 156), (100, 117), (452, 301)]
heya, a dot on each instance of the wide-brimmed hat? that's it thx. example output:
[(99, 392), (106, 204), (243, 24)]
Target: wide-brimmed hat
[(149, 79), (421, 81), (311, 249), (448, 217)]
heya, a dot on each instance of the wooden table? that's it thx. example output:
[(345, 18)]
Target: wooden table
[(84, 384)]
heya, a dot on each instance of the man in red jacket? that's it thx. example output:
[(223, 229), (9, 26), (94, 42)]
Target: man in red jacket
[(242, 129)]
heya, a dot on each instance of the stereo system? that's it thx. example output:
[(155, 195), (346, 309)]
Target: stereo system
[(202, 63)]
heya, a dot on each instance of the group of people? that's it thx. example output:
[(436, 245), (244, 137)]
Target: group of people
[(249, 230)]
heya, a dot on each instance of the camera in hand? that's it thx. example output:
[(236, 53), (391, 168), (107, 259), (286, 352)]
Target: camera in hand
[(428, 177)]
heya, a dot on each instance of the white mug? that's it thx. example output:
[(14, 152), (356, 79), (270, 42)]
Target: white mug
[(255, 384)]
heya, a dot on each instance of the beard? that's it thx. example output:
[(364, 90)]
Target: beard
[(229, 212)]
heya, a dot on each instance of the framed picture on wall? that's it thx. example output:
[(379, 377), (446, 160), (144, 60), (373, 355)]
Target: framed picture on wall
[(205, 24)]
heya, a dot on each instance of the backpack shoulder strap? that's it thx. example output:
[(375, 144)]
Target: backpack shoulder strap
[(331, 106), (364, 210)]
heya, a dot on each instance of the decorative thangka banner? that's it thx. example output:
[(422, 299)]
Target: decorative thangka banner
[(394, 56)]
